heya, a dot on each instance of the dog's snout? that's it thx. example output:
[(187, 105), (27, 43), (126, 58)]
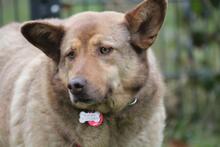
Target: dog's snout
[(77, 84)]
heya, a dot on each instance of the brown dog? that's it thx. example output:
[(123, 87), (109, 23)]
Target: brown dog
[(89, 62)]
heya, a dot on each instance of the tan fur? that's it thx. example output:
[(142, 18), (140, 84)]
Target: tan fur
[(36, 109)]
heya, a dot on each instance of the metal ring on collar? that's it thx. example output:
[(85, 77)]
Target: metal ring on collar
[(133, 102)]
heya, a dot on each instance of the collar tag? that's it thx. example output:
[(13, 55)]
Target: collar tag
[(92, 118)]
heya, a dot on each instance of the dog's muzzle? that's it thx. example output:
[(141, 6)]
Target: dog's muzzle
[(77, 88)]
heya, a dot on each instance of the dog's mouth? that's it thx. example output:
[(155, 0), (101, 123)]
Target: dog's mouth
[(85, 100), (91, 100), (82, 99)]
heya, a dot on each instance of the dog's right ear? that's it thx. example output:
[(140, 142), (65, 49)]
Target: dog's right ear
[(45, 36), (144, 22)]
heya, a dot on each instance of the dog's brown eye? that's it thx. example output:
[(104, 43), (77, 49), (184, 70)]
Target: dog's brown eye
[(71, 55), (105, 50)]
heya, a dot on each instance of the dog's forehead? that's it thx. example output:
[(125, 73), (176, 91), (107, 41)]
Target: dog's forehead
[(102, 18), (85, 26), (94, 22)]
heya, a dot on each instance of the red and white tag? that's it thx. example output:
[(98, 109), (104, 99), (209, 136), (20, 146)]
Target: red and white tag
[(94, 119)]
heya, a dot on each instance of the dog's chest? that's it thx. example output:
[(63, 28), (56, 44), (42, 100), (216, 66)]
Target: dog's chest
[(109, 134)]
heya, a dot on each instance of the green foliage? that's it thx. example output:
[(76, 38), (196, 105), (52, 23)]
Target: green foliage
[(197, 7), (189, 48)]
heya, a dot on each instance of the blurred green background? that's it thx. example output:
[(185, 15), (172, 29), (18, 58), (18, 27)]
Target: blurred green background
[(188, 49)]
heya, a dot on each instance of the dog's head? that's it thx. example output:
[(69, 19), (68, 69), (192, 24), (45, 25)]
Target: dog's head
[(101, 57)]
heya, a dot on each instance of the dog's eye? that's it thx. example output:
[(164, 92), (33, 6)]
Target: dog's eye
[(71, 55), (105, 50)]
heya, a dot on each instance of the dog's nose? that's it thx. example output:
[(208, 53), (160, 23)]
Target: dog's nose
[(77, 85)]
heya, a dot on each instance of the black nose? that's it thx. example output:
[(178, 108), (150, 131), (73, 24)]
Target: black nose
[(77, 85)]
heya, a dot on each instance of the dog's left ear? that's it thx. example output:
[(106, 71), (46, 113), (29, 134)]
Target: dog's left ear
[(145, 21), (45, 36)]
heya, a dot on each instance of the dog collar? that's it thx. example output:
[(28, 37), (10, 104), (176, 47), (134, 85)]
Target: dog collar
[(96, 119)]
